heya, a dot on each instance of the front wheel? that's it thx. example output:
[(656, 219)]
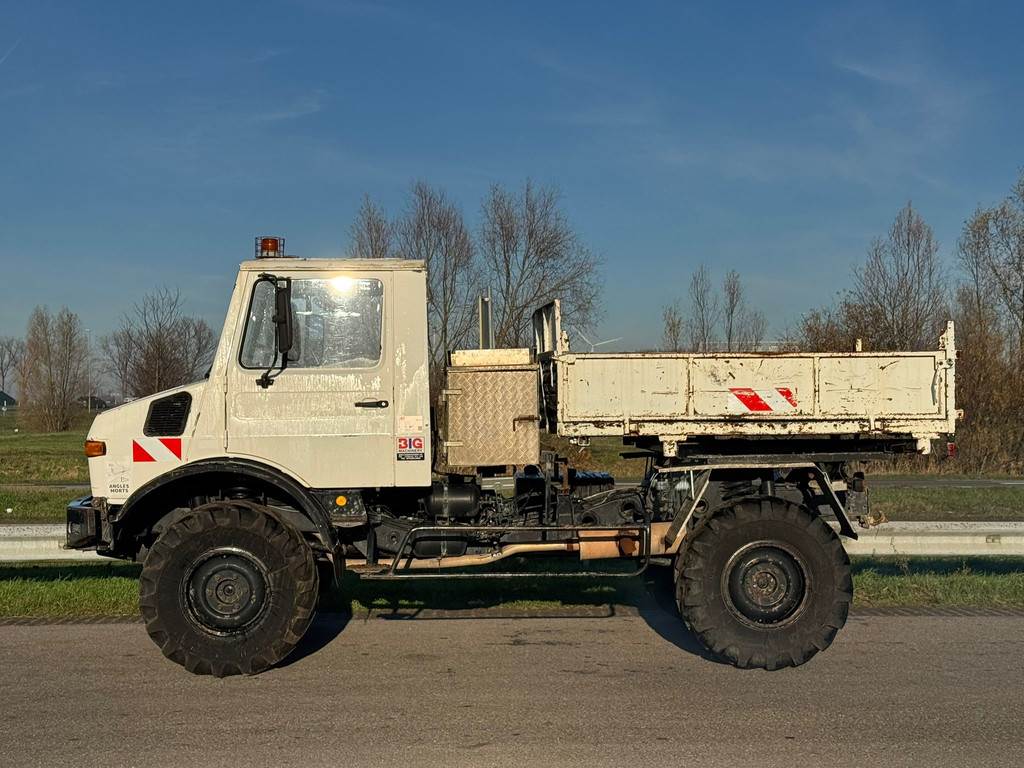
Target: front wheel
[(765, 584), (229, 588)]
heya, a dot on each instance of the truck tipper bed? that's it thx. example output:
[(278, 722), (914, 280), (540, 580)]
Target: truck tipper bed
[(876, 397)]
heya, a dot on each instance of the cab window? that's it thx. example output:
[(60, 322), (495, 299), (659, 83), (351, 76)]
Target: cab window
[(337, 323)]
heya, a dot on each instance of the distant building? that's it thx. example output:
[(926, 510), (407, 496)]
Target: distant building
[(6, 401), (93, 403)]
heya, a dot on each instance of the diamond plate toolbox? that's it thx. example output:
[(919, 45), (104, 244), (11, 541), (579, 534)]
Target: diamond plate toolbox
[(491, 411)]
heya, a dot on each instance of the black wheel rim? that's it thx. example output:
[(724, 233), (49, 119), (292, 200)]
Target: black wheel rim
[(765, 584), (226, 591)]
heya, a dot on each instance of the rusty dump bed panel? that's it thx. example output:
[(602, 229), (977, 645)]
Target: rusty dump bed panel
[(678, 396)]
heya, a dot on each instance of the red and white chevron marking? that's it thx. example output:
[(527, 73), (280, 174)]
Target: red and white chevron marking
[(146, 449), (762, 400)]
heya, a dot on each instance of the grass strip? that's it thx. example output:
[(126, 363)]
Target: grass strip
[(35, 505), (42, 458), (75, 590), (86, 590), (945, 504)]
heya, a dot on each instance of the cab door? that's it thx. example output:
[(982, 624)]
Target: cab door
[(327, 417)]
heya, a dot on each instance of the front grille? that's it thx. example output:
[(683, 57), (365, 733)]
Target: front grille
[(167, 416)]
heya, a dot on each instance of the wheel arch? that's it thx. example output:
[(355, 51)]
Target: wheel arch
[(176, 488)]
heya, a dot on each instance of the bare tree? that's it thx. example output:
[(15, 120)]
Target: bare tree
[(372, 234), (531, 255), (117, 360), (433, 230), (11, 352), (744, 328), (753, 327), (53, 369), (989, 310), (831, 329), (732, 307), (673, 324), (157, 347), (991, 251), (901, 289), (705, 311)]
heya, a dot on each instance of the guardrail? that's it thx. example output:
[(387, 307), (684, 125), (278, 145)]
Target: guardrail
[(939, 539), (38, 543), (43, 543)]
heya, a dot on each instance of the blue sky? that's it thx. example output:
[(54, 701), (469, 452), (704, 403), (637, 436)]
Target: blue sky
[(146, 144)]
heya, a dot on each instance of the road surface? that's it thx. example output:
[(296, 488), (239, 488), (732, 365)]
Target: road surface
[(575, 691)]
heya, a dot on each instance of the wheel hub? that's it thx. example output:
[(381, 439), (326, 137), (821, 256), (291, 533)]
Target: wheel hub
[(765, 583), (226, 590)]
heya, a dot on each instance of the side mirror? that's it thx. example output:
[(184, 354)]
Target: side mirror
[(283, 315)]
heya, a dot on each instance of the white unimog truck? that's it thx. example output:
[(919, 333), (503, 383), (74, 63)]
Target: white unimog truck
[(312, 444)]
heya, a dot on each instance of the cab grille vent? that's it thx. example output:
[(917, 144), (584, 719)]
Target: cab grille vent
[(167, 416)]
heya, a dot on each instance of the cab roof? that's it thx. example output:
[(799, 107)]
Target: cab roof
[(294, 263)]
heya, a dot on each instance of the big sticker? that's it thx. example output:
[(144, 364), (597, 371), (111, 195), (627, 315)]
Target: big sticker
[(410, 448)]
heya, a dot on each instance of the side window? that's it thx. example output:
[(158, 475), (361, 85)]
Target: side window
[(337, 323)]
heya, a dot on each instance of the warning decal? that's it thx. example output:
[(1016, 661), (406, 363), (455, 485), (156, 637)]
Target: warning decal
[(146, 449), (410, 449)]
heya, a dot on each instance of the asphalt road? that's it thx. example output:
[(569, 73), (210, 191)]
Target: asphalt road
[(923, 690)]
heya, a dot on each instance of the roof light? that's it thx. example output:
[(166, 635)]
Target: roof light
[(269, 247)]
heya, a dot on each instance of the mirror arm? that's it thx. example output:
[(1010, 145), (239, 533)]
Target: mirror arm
[(266, 379)]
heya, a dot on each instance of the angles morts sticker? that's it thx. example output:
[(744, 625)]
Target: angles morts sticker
[(410, 449)]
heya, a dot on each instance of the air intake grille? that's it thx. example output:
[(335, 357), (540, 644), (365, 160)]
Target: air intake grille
[(167, 416)]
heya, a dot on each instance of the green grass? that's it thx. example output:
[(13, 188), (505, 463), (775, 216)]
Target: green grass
[(33, 459), (949, 504), (80, 590), (75, 590), (35, 505), (949, 581), (601, 455), (42, 459)]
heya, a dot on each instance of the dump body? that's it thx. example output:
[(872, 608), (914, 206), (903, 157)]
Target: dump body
[(675, 397)]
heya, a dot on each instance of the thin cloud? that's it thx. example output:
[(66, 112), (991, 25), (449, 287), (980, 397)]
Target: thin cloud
[(304, 106), (10, 51), (900, 76), (264, 56)]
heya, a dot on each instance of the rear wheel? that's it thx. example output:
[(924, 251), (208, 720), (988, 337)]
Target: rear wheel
[(765, 584), (228, 588)]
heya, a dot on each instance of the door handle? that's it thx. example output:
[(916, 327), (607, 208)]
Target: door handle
[(371, 404)]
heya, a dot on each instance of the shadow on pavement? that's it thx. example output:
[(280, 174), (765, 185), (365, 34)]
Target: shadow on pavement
[(649, 597), (325, 627)]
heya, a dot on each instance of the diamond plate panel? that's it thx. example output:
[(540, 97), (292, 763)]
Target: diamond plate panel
[(492, 416)]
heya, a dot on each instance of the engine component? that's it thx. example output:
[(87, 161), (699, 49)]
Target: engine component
[(612, 508), (447, 502)]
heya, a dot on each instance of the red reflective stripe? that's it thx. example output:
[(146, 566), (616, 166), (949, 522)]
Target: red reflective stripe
[(139, 453), (172, 444), (750, 399), (788, 394)]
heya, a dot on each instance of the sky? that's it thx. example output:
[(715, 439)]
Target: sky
[(146, 145)]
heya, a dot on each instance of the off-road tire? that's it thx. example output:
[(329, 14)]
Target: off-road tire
[(260, 557), (735, 614)]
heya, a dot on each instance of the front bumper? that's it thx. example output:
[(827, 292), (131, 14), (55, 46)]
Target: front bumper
[(83, 524)]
